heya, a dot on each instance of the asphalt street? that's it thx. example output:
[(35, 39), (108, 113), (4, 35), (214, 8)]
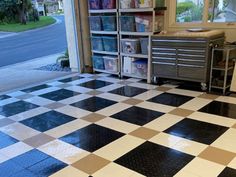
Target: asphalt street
[(33, 44)]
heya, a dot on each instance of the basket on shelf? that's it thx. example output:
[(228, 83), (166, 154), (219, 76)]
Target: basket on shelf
[(110, 43), (109, 23)]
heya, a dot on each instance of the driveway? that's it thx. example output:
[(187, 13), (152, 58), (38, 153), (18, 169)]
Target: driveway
[(33, 44)]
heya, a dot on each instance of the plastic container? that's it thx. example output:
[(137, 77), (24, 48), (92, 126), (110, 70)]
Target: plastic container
[(108, 4), (109, 23), (130, 46), (110, 43), (95, 23), (144, 23), (97, 43), (111, 64), (128, 23), (127, 4), (139, 67), (144, 45), (98, 62), (149, 3), (94, 4)]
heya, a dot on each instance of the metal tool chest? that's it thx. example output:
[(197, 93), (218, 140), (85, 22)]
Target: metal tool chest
[(183, 58)]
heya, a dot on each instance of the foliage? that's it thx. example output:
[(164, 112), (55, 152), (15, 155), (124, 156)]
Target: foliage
[(14, 10), (184, 6), (17, 27), (64, 59), (65, 56), (197, 12)]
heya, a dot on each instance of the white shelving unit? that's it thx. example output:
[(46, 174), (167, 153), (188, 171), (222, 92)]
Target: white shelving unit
[(107, 12), (126, 34)]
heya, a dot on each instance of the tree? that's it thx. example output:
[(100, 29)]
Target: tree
[(23, 6), (14, 10)]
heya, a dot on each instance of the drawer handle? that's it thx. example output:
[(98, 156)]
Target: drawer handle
[(164, 58), (158, 53), (163, 49), (188, 55), (193, 66), (179, 41), (202, 61), (162, 63), (188, 50)]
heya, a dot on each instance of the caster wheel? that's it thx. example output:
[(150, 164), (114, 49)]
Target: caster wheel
[(204, 86)]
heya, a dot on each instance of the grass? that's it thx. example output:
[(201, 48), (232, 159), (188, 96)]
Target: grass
[(17, 27)]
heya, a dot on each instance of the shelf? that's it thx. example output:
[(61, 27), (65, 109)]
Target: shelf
[(105, 52), (142, 9), (222, 69), (218, 87), (134, 55), (104, 32), (128, 33), (105, 71), (134, 76), (103, 11)]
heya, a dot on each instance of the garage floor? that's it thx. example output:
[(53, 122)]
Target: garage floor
[(101, 126)]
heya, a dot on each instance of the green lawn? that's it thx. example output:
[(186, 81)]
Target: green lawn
[(44, 21)]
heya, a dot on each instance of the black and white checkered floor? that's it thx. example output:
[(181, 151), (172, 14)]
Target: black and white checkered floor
[(102, 126)]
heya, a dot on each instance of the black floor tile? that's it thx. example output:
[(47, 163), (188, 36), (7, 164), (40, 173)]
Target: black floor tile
[(154, 160), (9, 168), (16, 108), (47, 121), (197, 131), (30, 158), (6, 140), (128, 91), (95, 84), (190, 86), (220, 109), (36, 88), (137, 115), (25, 173), (171, 99), (94, 104), (47, 167), (228, 172), (59, 95), (92, 137), (70, 79), (3, 97)]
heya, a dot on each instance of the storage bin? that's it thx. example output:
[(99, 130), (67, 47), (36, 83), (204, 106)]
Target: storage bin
[(109, 23), (95, 23), (149, 3), (144, 45), (130, 46), (94, 4), (108, 4), (139, 67), (97, 43), (144, 23), (110, 43), (128, 23), (127, 4), (98, 62), (111, 63)]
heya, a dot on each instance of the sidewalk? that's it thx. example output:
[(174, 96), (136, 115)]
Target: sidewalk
[(24, 74), (6, 34)]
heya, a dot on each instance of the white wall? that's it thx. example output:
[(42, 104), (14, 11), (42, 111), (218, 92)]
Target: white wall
[(71, 34)]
